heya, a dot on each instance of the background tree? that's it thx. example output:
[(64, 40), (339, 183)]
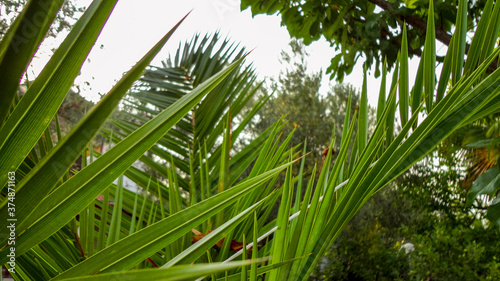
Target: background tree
[(65, 19), (420, 228), (457, 241), (296, 95), (372, 29)]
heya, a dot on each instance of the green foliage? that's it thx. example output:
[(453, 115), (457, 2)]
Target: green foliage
[(482, 146), (456, 253), (60, 215), (180, 125), (435, 187), (64, 20), (311, 115), (417, 230), (371, 29), (369, 248)]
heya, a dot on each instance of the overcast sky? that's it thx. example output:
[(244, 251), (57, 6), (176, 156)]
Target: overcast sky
[(135, 26)]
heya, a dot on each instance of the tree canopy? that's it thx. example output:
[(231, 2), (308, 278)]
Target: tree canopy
[(372, 29), (419, 228), (64, 20)]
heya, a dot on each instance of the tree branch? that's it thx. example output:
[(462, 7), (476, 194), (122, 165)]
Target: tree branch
[(415, 22), (421, 25)]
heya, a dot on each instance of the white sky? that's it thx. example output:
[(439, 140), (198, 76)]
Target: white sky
[(134, 27)]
